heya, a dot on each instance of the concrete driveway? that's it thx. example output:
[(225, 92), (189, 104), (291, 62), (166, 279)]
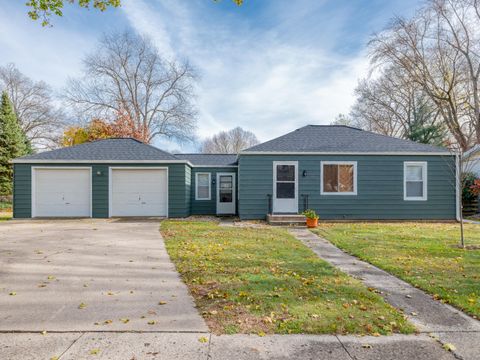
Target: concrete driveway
[(90, 275)]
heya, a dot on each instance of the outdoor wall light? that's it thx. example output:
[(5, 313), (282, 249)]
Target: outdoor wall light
[(304, 173), (213, 181), (99, 173)]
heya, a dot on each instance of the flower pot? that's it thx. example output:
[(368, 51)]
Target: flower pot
[(312, 223)]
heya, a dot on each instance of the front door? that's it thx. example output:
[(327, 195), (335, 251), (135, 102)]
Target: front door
[(285, 187), (226, 194)]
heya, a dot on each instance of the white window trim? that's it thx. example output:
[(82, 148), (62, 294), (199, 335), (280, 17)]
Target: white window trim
[(209, 186), (354, 163), (424, 166)]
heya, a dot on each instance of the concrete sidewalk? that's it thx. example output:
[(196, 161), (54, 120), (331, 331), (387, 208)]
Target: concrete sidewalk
[(192, 346), (447, 324)]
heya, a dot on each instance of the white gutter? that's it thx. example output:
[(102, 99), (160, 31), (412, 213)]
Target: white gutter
[(57, 161), (343, 153)]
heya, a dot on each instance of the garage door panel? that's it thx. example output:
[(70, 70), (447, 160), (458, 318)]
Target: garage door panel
[(139, 192), (62, 192)]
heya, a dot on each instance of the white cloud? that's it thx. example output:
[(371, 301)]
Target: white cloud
[(260, 80)]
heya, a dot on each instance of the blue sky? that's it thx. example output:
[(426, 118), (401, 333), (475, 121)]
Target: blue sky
[(269, 66)]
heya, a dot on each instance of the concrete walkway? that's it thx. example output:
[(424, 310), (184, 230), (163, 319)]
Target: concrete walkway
[(447, 324), (193, 346)]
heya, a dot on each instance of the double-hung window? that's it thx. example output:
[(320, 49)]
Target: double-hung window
[(414, 180), (202, 186), (338, 178)]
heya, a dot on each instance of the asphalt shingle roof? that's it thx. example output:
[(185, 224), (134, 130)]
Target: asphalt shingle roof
[(341, 139), (108, 149), (209, 159)]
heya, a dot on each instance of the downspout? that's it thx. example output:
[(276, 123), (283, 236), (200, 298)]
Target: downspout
[(457, 186)]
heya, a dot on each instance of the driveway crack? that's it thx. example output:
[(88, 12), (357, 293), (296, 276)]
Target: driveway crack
[(69, 347)]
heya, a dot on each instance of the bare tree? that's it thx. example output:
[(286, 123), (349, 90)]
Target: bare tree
[(430, 50), (393, 105), (229, 142), (127, 74), (34, 105)]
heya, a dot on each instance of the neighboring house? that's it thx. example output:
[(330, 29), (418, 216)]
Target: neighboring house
[(340, 171), (471, 160)]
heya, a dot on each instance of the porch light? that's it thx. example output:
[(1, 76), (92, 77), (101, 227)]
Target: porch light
[(304, 173), (99, 173)]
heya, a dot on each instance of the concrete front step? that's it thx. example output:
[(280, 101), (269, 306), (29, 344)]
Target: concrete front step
[(286, 219)]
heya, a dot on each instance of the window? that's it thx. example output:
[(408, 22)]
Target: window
[(338, 178), (415, 181), (285, 181), (202, 186)]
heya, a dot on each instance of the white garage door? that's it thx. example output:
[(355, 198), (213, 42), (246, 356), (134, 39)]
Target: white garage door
[(139, 192), (61, 192)]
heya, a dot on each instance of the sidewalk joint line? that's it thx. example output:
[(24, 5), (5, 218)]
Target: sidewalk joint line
[(345, 348)]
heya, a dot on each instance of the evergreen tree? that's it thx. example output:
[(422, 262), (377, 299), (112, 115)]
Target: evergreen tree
[(13, 143), (423, 128)]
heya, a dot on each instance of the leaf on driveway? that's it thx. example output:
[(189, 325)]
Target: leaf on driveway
[(125, 320), (107, 322), (162, 302), (94, 351), (54, 358), (366, 346), (203, 339), (51, 277), (82, 306), (13, 293), (151, 322), (44, 332), (449, 347), (110, 293)]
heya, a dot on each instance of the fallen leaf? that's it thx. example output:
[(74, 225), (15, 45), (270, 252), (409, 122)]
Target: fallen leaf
[(82, 306), (94, 351), (42, 285), (408, 296), (151, 322), (449, 347), (110, 293), (413, 313), (203, 339), (125, 320), (366, 346), (162, 302), (13, 293), (54, 358), (107, 322), (261, 333), (50, 277)]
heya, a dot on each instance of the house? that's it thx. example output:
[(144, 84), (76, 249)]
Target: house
[(339, 171)]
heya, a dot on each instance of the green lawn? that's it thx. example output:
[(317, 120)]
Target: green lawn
[(251, 280), (420, 253)]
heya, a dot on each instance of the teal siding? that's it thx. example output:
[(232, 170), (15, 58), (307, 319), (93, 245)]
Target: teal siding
[(178, 189), (22, 191), (379, 182), (208, 207)]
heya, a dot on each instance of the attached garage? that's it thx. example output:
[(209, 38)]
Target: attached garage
[(61, 192), (138, 191)]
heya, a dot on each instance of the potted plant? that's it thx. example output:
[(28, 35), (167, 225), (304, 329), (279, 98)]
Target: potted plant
[(312, 218)]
